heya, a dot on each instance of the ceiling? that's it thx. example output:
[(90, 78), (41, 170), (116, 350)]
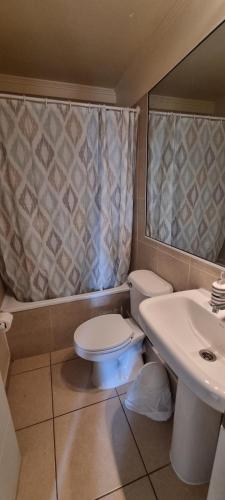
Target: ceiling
[(88, 42), (201, 75)]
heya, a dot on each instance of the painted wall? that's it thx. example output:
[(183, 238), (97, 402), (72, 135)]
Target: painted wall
[(182, 270), (187, 24)]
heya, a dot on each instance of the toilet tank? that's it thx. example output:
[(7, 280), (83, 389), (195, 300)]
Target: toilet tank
[(143, 285)]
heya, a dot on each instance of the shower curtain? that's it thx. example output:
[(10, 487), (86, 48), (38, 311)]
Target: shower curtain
[(186, 182), (66, 197)]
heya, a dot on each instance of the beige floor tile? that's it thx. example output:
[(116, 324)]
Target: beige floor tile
[(72, 387), (95, 451), (37, 476), (153, 438), (63, 355), (140, 489), (169, 487), (122, 389), (31, 363), (30, 398)]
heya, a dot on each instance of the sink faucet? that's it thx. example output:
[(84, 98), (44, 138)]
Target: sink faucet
[(218, 294)]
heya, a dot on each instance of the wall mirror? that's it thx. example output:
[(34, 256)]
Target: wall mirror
[(186, 153)]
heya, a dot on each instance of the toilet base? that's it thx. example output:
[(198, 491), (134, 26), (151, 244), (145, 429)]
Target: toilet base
[(114, 372)]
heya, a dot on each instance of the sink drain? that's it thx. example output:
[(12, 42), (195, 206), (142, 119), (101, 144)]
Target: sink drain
[(207, 355)]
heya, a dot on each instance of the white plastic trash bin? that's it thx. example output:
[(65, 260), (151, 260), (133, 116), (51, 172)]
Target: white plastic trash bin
[(150, 393)]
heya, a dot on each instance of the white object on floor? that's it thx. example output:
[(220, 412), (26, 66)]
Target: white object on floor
[(217, 482), (114, 344), (150, 393)]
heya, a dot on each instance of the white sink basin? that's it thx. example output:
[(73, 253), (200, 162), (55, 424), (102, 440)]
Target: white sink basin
[(179, 326)]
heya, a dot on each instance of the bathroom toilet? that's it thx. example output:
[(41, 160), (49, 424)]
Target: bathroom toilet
[(114, 344)]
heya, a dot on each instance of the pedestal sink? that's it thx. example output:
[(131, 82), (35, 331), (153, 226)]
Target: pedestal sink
[(191, 340)]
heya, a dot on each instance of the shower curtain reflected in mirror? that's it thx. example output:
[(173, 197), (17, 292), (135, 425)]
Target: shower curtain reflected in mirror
[(66, 197), (186, 182)]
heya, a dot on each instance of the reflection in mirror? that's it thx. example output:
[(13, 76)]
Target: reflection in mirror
[(186, 154)]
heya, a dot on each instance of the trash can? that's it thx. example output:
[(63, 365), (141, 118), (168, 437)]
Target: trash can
[(150, 393)]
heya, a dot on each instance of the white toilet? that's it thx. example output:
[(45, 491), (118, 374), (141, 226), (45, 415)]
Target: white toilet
[(114, 344)]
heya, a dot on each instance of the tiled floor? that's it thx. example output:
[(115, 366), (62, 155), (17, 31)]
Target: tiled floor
[(79, 443)]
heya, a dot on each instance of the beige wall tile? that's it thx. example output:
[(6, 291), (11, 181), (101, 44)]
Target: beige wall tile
[(37, 475), (51, 328), (206, 267), (147, 257), (29, 396), (140, 489), (31, 363), (107, 456), (169, 487), (30, 333), (65, 318), (200, 279), (173, 270), (168, 250), (153, 438), (72, 386)]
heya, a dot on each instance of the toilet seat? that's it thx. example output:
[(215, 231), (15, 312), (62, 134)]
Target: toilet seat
[(103, 334)]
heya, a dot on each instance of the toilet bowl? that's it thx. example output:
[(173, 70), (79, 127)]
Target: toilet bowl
[(114, 344)]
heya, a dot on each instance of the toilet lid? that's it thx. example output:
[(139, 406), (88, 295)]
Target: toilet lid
[(103, 332)]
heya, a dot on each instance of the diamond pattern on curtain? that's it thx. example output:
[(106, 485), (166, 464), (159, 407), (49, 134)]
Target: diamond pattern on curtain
[(186, 183), (66, 197)]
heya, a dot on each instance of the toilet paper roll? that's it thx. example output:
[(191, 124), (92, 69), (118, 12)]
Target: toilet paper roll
[(5, 321)]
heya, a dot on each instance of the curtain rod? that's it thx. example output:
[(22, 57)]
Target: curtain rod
[(68, 102), (186, 115)]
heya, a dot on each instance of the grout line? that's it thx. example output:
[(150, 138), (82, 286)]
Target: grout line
[(44, 366), (62, 414), (153, 488), (86, 406), (138, 449), (121, 487), (63, 361), (30, 370), (32, 425), (133, 436), (121, 393), (159, 468), (54, 440)]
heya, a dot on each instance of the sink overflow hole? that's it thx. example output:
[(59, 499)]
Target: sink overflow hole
[(207, 355)]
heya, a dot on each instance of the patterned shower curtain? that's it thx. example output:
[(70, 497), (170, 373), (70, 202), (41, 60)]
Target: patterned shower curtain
[(186, 182), (66, 197)]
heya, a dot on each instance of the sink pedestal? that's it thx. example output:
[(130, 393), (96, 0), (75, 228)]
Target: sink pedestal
[(195, 434)]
